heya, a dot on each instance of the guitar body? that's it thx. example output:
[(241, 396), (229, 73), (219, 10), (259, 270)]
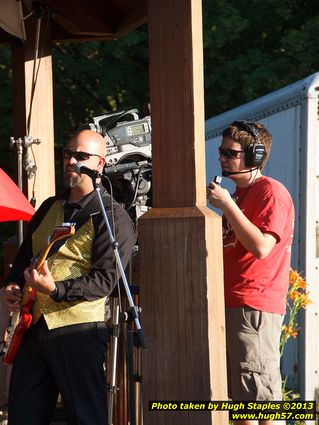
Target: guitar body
[(20, 322), (18, 325), (24, 324)]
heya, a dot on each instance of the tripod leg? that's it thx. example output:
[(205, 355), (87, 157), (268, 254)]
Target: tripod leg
[(134, 370), (113, 359), (138, 386), (138, 373), (131, 375)]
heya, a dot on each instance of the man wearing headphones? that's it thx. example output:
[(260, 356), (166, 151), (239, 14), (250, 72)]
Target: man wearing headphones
[(257, 236)]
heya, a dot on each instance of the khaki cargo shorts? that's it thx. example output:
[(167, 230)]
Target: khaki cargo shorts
[(253, 357)]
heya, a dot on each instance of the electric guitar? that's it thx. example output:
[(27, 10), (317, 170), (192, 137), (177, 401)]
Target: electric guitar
[(20, 321)]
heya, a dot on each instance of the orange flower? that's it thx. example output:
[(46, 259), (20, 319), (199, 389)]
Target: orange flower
[(290, 331), (294, 295), (304, 300), (297, 298), (296, 280), (293, 276)]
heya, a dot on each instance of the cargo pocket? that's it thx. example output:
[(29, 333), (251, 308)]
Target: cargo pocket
[(260, 381)]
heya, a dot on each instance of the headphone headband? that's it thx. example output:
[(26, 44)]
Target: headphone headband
[(248, 126)]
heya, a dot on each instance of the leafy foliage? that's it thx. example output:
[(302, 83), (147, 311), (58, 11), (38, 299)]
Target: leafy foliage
[(254, 47), (93, 78), (251, 47), (5, 107), (297, 300)]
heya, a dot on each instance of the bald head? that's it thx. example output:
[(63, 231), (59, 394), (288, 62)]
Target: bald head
[(88, 141)]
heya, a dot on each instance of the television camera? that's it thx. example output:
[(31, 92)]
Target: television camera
[(128, 158)]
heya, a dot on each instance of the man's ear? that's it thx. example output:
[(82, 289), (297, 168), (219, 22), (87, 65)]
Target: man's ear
[(102, 162)]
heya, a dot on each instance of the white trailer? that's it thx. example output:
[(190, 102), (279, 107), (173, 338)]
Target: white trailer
[(291, 115)]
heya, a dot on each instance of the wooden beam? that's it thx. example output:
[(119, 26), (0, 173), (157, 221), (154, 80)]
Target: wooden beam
[(61, 35), (177, 104), (82, 17), (80, 20), (133, 19), (105, 20), (33, 105), (180, 239)]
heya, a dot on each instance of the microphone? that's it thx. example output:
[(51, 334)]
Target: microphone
[(218, 180), (231, 173), (82, 169)]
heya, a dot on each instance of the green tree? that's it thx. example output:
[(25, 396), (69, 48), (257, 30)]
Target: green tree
[(6, 156), (252, 47), (96, 77)]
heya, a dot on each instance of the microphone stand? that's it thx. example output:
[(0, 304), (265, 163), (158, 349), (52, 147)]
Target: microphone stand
[(132, 311)]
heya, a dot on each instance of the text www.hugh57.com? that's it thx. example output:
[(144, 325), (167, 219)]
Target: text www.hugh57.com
[(263, 416)]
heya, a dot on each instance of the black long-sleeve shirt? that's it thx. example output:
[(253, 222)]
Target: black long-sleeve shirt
[(102, 277)]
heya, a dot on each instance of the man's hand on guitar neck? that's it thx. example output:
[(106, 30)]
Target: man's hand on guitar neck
[(11, 296), (42, 281)]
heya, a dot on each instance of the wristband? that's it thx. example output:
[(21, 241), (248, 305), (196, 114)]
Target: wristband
[(55, 290)]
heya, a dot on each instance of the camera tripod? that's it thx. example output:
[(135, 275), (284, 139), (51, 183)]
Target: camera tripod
[(132, 319), (124, 389)]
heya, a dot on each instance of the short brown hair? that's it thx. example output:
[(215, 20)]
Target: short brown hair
[(248, 133)]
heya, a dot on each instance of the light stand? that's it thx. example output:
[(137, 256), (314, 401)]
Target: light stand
[(133, 312), (27, 164)]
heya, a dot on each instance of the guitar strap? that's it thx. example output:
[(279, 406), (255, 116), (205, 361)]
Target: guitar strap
[(79, 218), (92, 208)]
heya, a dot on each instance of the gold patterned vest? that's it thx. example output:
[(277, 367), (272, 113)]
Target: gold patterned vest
[(72, 260)]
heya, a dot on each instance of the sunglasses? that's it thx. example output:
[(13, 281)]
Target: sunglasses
[(79, 156), (229, 153)]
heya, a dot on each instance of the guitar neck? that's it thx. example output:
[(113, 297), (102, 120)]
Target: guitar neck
[(37, 261), (59, 232)]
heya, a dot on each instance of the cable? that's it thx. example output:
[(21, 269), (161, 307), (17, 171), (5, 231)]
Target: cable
[(137, 184)]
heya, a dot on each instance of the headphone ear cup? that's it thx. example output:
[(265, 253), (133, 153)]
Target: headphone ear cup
[(249, 156), (255, 155)]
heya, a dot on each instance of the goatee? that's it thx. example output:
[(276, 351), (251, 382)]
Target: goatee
[(71, 182)]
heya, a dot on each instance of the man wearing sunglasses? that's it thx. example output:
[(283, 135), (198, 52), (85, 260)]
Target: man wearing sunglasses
[(64, 349), (257, 236)]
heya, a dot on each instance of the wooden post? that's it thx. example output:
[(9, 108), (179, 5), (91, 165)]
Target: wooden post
[(41, 127), (180, 240), (33, 104)]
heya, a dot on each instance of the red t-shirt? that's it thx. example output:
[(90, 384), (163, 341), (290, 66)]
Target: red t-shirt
[(260, 284)]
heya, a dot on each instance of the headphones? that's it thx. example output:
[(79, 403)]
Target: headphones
[(255, 152)]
